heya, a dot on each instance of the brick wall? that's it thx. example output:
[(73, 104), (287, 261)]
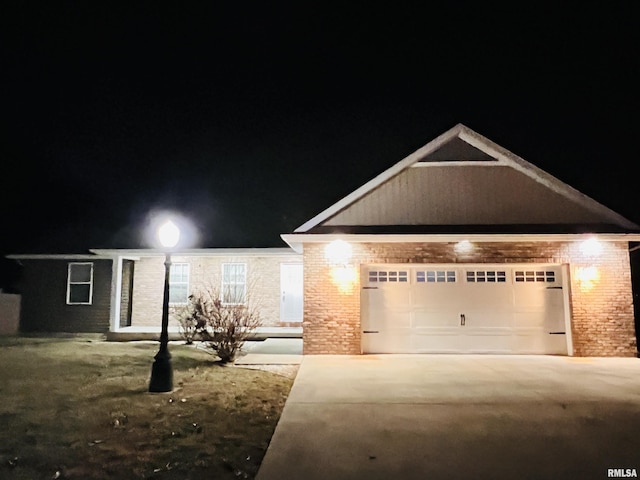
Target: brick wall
[(263, 284), (601, 309)]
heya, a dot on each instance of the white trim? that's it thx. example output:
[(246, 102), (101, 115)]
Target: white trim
[(136, 254), (460, 163), (296, 240), (65, 256), (69, 283), (188, 282), (116, 294), (222, 283), (504, 157), (566, 297)]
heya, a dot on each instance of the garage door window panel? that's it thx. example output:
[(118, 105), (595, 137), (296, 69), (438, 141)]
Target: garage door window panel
[(436, 276), (486, 276), (534, 276), (388, 276)]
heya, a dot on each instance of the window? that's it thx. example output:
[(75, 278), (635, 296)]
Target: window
[(179, 283), (436, 276), (486, 276), (79, 283), (535, 276), (234, 283), (388, 276)]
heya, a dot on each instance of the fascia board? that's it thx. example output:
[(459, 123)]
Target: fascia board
[(297, 240), (203, 252)]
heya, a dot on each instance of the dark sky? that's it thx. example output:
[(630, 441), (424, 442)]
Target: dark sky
[(252, 117)]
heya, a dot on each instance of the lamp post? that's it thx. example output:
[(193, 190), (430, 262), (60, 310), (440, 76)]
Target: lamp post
[(161, 371)]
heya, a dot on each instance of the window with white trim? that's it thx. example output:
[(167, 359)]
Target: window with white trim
[(234, 283), (436, 276), (396, 276), (80, 283), (486, 276), (179, 283), (529, 276)]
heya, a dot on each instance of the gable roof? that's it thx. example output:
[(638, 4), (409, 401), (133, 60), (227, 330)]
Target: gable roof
[(463, 182)]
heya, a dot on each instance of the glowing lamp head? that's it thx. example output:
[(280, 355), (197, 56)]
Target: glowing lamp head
[(463, 246), (168, 234), (591, 247), (338, 252)]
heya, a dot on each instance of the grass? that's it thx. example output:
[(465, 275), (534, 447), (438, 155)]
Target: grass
[(79, 409)]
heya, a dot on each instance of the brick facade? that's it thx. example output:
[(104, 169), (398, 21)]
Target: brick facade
[(601, 310), (263, 284)]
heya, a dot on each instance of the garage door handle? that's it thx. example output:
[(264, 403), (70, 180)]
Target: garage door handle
[(463, 320), (370, 331), (554, 288)]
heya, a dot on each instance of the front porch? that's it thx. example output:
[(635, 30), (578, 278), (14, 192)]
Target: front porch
[(128, 334)]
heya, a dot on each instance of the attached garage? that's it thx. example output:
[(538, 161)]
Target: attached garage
[(463, 309), (464, 247)]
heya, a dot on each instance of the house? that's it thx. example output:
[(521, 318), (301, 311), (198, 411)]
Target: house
[(119, 292), (461, 247), (465, 247)]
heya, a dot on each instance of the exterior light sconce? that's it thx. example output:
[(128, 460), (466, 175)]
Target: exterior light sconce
[(591, 247), (343, 275), (587, 277), (463, 247), (338, 252)]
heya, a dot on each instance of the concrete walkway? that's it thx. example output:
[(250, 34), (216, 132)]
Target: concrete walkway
[(457, 417), (272, 351)]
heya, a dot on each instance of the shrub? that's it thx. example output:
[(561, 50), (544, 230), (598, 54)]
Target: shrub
[(190, 325), (222, 327)]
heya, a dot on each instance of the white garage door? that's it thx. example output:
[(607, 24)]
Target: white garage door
[(470, 308)]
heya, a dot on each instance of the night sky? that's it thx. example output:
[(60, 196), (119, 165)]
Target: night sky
[(252, 117)]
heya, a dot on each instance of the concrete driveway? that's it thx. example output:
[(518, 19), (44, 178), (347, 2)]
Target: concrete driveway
[(458, 416)]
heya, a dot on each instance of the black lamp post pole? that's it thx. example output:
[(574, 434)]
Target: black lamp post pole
[(161, 371)]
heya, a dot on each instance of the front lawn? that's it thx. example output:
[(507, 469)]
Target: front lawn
[(79, 409)]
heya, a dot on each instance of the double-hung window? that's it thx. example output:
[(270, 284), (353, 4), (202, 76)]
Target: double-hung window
[(179, 283), (234, 283), (80, 283)]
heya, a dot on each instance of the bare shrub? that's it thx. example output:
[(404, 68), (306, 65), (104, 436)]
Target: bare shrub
[(223, 326)]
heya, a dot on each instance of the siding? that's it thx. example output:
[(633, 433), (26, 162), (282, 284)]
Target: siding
[(463, 195), (43, 286)]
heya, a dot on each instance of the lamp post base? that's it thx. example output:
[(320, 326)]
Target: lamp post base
[(161, 374)]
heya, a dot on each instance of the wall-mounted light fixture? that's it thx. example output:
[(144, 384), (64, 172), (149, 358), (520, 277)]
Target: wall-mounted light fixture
[(463, 247), (587, 277), (343, 275), (591, 247), (338, 252)]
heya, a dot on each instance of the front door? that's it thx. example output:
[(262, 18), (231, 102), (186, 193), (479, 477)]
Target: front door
[(291, 292)]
